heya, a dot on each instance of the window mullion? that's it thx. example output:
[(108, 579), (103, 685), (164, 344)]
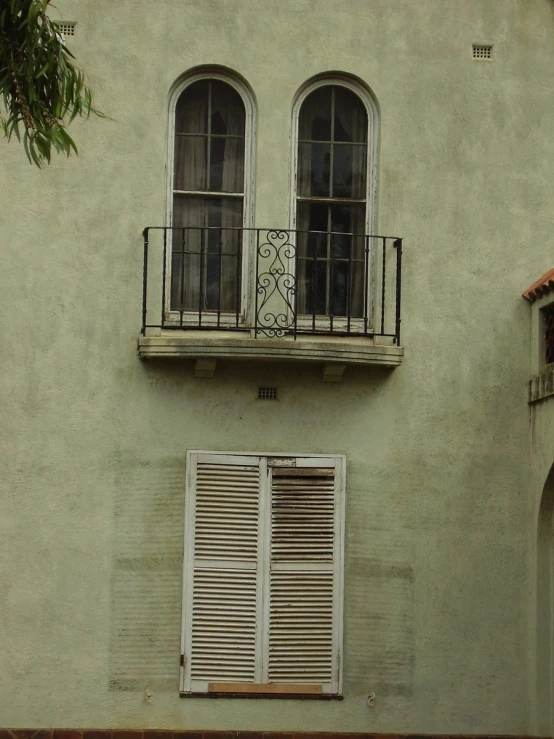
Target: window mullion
[(331, 175), (209, 139), (331, 143), (205, 233)]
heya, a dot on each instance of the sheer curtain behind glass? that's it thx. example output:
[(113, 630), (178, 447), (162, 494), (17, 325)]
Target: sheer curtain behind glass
[(208, 198), (331, 203)]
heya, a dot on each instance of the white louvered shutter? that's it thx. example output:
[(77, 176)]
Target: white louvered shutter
[(222, 597), (304, 589)]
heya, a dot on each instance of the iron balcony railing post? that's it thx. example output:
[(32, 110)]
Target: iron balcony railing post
[(256, 284), (349, 284), (203, 233), (383, 285), (331, 297), (164, 276), (398, 247), (366, 284), (219, 250), (182, 285), (314, 280), (144, 278), (241, 240)]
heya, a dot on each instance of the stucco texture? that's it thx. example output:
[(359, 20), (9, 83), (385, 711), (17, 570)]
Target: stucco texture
[(441, 499)]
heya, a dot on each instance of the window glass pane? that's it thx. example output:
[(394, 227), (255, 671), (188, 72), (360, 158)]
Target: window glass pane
[(331, 265), (317, 277), (225, 158), (347, 275), (188, 211), (226, 165), (318, 216), (312, 286), (350, 116), (338, 279), (227, 110), (312, 245), (191, 112), (349, 171), (348, 219), (225, 212), (177, 282), (223, 254), (315, 116), (314, 170), (346, 283), (193, 211), (206, 254), (190, 163)]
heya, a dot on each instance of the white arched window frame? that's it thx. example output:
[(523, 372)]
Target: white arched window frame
[(247, 97), (370, 105)]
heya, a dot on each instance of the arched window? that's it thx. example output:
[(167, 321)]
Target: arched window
[(333, 199), (210, 195)]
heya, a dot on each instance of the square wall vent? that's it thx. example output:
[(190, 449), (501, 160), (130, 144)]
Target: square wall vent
[(66, 28), (482, 51), (267, 393)]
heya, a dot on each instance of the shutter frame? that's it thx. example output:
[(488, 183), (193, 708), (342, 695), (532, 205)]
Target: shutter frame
[(303, 465)]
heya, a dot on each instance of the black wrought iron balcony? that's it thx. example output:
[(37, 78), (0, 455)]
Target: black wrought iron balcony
[(272, 283)]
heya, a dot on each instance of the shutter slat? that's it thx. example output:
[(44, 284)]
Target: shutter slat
[(227, 512), (302, 517), (211, 656)]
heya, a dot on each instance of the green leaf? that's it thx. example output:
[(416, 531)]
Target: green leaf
[(41, 89)]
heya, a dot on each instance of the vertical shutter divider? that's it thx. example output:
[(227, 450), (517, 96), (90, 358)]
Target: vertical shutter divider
[(265, 534), (263, 573)]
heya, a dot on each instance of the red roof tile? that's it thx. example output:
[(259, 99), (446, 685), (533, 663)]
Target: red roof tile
[(540, 287)]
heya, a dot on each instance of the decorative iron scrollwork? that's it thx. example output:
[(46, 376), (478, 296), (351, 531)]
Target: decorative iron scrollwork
[(275, 285)]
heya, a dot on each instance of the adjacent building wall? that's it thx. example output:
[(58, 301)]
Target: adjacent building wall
[(441, 506)]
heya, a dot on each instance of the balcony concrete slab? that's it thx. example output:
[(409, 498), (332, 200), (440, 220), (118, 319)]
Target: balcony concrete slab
[(335, 354)]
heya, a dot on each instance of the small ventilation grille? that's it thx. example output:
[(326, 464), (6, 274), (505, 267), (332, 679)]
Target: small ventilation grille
[(67, 28), (267, 393), (482, 51)]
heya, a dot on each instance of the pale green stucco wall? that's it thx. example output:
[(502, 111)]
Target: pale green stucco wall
[(441, 506)]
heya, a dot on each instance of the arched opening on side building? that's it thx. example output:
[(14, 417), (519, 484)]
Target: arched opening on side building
[(545, 610)]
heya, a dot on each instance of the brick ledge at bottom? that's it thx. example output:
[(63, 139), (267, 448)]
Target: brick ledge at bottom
[(200, 734)]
